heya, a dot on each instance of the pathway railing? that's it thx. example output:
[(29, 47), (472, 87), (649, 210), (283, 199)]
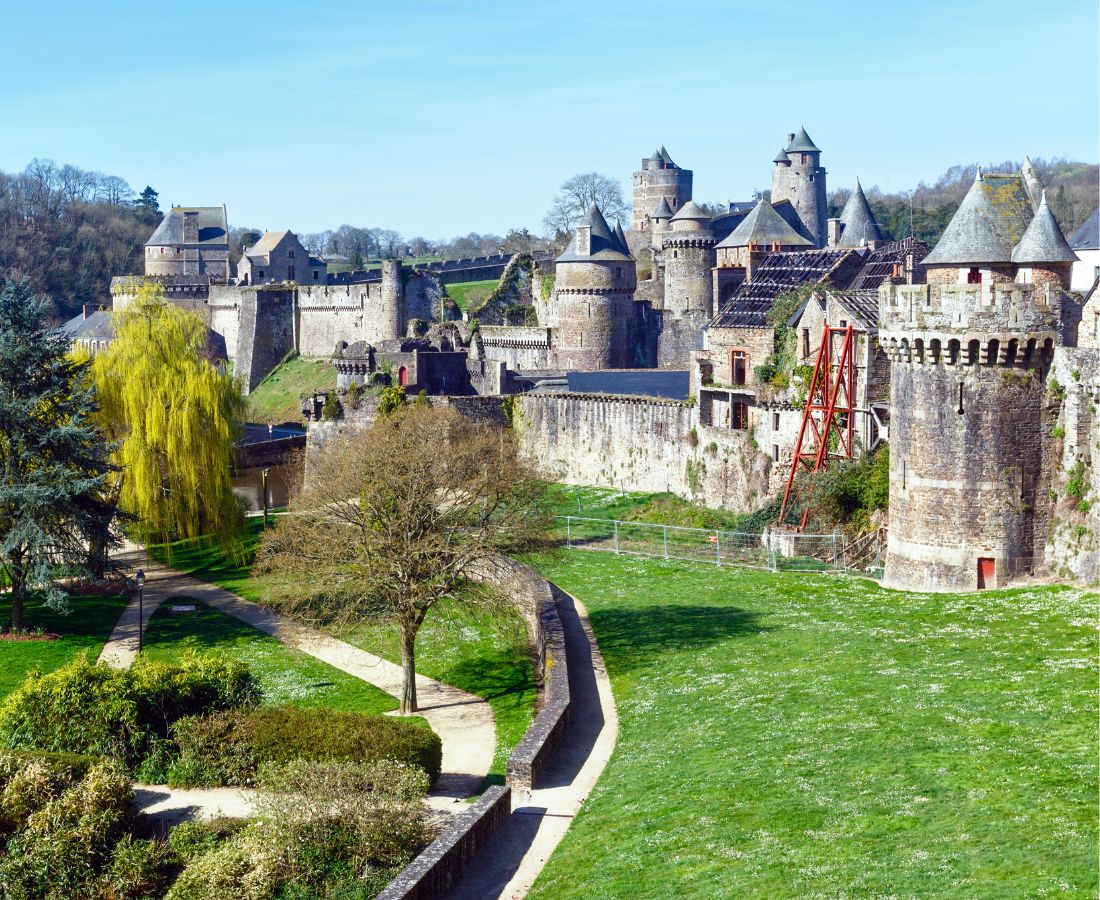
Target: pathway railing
[(773, 551)]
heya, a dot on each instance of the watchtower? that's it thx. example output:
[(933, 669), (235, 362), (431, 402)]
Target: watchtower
[(659, 179), (969, 353), (595, 279), (689, 259), (799, 177)]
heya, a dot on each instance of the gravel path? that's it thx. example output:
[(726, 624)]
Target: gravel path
[(512, 860), (464, 722)]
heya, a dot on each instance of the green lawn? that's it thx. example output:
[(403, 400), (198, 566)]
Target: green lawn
[(285, 675), (471, 294), (277, 398), (804, 736), (487, 657), (85, 628)]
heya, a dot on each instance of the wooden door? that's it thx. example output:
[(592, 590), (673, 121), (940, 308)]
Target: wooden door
[(987, 572)]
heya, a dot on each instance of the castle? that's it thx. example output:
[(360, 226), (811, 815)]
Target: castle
[(970, 357)]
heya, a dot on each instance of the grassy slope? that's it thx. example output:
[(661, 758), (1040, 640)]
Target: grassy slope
[(488, 658), (471, 293), (85, 628), (798, 736), (276, 399)]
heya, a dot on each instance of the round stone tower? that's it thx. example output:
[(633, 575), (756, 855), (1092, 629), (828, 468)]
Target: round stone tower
[(659, 179), (595, 279), (386, 316), (689, 260), (969, 411), (799, 177)]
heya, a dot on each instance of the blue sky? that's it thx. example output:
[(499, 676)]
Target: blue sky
[(439, 118)]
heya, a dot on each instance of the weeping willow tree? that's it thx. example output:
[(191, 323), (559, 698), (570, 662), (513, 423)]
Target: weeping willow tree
[(172, 414)]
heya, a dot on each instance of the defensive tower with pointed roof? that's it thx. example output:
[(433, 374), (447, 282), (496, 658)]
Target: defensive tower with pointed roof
[(856, 226), (595, 279), (798, 176), (658, 179), (970, 354)]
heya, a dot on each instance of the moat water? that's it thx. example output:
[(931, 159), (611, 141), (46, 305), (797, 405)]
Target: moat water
[(282, 478)]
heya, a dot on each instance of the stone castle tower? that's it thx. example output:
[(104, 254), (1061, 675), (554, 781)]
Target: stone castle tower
[(595, 279), (385, 320), (659, 179), (689, 259), (969, 417), (799, 177)]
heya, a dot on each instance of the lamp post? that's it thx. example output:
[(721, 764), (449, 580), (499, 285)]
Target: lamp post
[(140, 578), (266, 472)]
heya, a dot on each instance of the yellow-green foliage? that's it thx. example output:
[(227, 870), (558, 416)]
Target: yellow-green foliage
[(174, 415)]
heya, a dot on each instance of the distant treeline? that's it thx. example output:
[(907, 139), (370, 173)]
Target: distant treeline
[(1071, 192), (68, 231)]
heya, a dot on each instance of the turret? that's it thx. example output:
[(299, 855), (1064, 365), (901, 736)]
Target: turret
[(658, 179), (595, 279), (385, 318), (1043, 255), (799, 177), (858, 227), (689, 259)]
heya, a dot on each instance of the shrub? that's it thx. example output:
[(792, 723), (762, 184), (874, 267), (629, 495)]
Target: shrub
[(353, 395), (88, 707), (330, 412), (330, 829), (1076, 485), (229, 747), (138, 869), (190, 840)]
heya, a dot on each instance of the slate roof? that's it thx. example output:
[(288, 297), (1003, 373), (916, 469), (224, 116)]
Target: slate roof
[(802, 143), (213, 228), (264, 246), (879, 263), (781, 157), (1087, 237), (764, 226), (663, 210), (95, 326), (693, 211), (672, 384), (604, 245), (1043, 241), (863, 305), (780, 272), (666, 159), (988, 223), (859, 222), (620, 238)]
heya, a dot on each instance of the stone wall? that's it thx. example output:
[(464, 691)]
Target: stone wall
[(759, 343), (642, 444), (266, 333), (519, 347)]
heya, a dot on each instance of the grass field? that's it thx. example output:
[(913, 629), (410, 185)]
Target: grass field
[(489, 658), (471, 294), (85, 628), (276, 399), (804, 736), (285, 675)]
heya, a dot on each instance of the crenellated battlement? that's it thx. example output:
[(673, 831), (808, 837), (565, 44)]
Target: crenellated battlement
[(1001, 310)]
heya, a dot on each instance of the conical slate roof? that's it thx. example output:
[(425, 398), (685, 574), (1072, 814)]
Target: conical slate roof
[(691, 210), (764, 226), (655, 156), (859, 222), (781, 157), (620, 237), (1087, 237), (604, 244), (802, 143), (666, 159), (1043, 241), (988, 223), (663, 210)]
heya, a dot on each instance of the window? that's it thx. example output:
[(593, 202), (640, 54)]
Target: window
[(805, 343), (739, 366), (775, 421), (290, 254), (315, 274), (260, 274), (290, 273), (775, 452), (739, 415), (974, 276)]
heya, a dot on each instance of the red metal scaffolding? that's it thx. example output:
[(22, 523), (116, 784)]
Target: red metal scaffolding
[(830, 409)]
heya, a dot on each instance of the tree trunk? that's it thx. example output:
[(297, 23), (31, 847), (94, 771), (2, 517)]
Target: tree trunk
[(97, 553), (18, 586), (408, 666)]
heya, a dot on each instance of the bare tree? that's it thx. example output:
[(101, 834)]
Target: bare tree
[(395, 520), (580, 192)]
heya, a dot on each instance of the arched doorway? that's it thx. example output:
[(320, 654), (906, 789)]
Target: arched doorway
[(402, 376)]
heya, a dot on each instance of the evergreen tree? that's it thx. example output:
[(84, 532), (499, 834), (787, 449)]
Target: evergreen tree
[(148, 201), (53, 465), (174, 415)]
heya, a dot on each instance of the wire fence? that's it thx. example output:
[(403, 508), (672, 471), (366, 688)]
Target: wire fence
[(773, 550)]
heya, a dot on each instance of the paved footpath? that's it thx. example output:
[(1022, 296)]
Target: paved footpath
[(464, 722), (512, 860)]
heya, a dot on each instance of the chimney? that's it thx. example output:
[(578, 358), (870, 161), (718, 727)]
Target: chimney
[(833, 231), (190, 227), (584, 240), (88, 309)]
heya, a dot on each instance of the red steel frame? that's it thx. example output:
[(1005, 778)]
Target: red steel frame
[(831, 397)]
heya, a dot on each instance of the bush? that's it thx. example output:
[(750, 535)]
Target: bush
[(88, 707), (28, 781), (190, 840), (138, 869), (229, 748), (330, 829)]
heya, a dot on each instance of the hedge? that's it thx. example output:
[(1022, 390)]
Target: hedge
[(228, 748), (88, 707)]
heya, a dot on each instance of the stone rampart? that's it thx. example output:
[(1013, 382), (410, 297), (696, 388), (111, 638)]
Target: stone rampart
[(642, 444)]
